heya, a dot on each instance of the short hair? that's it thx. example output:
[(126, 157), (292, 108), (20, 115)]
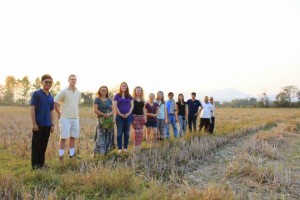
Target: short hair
[(71, 76), (170, 93), (46, 76), (194, 93)]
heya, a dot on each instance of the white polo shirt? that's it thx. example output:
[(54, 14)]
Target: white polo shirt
[(206, 110), (69, 102)]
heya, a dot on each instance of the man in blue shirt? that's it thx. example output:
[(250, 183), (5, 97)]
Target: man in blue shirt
[(193, 107), (171, 109), (41, 110)]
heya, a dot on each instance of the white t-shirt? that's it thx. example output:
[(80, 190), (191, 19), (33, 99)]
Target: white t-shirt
[(206, 110)]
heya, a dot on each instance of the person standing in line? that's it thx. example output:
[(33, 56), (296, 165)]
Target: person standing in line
[(213, 113), (151, 111), (162, 117), (105, 129), (205, 115), (139, 115), (182, 114), (41, 111), (172, 117), (67, 108), (123, 103), (193, 107)]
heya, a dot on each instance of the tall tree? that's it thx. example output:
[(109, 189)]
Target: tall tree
[(285, 96), (87, 97), (37, 84), (55, 88), (23, 90), (10, 87), (264, 100), (2, 93)]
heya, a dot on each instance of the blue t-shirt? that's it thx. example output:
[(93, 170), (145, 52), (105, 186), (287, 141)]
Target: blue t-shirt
[(193, 106), (104, 106), (44, 104)]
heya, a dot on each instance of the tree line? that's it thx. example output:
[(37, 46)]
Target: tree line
[(18, 92)]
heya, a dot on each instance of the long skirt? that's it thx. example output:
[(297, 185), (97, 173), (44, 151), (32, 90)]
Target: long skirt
[(103, 140), (161, 129), (137, 125)]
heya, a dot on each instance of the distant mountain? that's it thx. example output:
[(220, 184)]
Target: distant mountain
[(226, 94)]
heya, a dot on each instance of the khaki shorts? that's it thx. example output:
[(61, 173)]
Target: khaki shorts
[(69, 127)]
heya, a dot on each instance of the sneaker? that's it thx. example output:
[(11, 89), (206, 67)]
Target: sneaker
[(61, 158), (126, 150), (119, 151), (72, 156)]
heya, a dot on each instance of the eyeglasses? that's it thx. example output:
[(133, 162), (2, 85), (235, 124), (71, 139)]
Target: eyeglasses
[(47, 82)]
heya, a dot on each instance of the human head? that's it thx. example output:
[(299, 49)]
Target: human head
[(160, 96), (151, 97), (211, 99), (193, 95), (46, 81), (72, 80), (180, 97), (205, 99), (103, 90), (124, 89), (170, 95), (138, 92)]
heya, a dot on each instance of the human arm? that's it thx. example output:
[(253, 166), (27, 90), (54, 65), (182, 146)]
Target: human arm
[(57, 110), (52, 121), (32, 114)]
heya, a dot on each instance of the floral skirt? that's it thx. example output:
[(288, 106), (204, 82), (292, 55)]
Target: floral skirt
[(137, 125), (103, 139)]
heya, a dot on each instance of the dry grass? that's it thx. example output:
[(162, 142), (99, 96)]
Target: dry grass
[(150, 172)]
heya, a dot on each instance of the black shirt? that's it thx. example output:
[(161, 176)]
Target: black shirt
[(138, 107), (181, 108)]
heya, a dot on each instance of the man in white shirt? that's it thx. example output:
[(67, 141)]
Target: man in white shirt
[(205, 115), (67, 109), (212, 124)]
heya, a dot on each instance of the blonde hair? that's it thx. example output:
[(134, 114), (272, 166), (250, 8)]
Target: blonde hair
[(142, 93)]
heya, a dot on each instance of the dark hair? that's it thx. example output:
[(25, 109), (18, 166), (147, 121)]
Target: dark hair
[(194, 93), (127, 95), (99, 92), (45, 76), (170, 93), (182, 98)]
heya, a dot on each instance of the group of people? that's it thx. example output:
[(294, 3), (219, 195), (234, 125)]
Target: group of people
[(124, 111)]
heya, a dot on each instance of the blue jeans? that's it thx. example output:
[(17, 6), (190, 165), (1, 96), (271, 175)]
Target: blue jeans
[(182, 122), (173, 123), (123, 127)]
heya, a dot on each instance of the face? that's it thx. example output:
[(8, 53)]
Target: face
[(151, 97), (171, 96), (72, 80), (103, 91), (211, 99), (193, 96), (160, 95), (138, 92), (47, 83), (123, 87), (180, 97), (206, 98)]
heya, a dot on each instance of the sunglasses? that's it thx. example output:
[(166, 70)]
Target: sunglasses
[(47, 82)]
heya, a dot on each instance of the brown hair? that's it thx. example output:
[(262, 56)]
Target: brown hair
[(45, 76), (162, 99), (71, 76), (182, 98), (127, 95), (142, 92), (99, 92)]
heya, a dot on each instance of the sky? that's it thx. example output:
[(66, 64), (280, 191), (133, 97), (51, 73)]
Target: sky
[(160, 45)]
